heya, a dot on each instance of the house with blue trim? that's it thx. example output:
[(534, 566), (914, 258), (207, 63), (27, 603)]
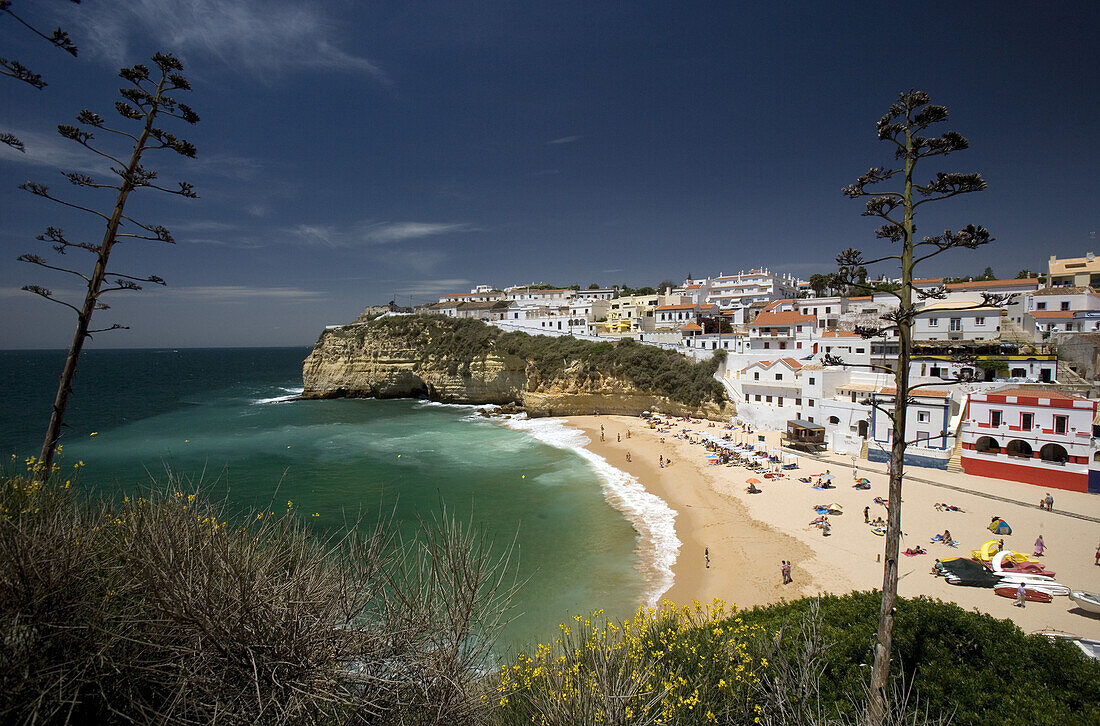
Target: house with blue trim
[(927, 427)]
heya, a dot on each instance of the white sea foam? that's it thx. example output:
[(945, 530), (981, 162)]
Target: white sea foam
[(291, 394), (658, 546)]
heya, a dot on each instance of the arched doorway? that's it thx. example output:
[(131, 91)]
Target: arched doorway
[(863, 429), (834, 420), (987, 445), (1054, 452), (1016, 447)]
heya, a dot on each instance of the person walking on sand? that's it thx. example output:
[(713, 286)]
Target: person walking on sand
[(1021, 595), (1050, 502), (1098, 555), (783, 571), (706, 556), (1040, 546), (866, 515), (628, 457), (619, 438)]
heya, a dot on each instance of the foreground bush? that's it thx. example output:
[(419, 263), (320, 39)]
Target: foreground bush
[(683, 665), (163, 609), (979, 668)]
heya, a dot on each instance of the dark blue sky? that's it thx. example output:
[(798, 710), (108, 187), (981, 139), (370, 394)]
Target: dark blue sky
[(352, 151)]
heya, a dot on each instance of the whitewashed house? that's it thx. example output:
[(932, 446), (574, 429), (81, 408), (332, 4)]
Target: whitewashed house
[(1036, 435), (957, 320), (927, 426)]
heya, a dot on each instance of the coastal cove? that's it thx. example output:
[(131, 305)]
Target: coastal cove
[(232, 419)]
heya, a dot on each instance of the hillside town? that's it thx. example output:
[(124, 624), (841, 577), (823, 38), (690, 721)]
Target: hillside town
[(1008, 388)]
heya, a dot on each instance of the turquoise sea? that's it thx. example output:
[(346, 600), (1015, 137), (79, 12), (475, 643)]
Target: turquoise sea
[(587, 536)]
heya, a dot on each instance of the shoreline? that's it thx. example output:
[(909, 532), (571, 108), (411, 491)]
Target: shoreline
[(744, 553), (748, 535)]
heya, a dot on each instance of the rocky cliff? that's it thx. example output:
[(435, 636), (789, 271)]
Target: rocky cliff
[(468, 362)]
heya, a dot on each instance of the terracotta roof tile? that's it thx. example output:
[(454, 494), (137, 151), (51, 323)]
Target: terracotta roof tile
[(1037, 393), (788, 317), (919, 393), (979, 284)]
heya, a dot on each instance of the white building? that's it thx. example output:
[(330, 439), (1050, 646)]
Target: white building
[(788, 330), (927, 426), (745, 288), (1036, 435), (957, 320), (827, 310)]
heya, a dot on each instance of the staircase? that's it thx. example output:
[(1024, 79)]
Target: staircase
[(1013, 333), (955, 462)]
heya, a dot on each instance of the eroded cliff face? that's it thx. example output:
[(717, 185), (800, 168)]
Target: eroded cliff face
[(359, 361), (368, 361)]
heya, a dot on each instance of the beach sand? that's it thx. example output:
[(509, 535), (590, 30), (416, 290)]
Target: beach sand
[(748, 535)]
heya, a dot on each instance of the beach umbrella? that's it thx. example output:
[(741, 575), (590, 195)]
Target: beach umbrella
[(864, 480), (753, 480), (836, 507)]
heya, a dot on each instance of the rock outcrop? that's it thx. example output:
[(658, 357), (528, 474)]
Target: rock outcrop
[(420, 358)]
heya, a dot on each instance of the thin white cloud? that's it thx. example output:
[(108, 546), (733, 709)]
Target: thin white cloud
[(262, 36), (51, 150), (401, 231), (370, 232), (243, 293), (433, 288), (564, 140)]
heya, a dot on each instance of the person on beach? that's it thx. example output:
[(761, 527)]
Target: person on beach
[(628, 456), (1040, 547), (661, 460), (628, 433), (1021, 595), (619, 438), (866, 515), (706, 556), (1049, 502), (1098, 555)]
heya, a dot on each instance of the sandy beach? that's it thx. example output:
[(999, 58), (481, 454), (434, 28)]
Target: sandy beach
[(748, 535)]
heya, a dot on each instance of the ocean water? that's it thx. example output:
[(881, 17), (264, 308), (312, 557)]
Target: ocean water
[(586, 535)]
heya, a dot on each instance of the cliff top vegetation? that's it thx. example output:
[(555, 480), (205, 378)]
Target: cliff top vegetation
[(458, 342)]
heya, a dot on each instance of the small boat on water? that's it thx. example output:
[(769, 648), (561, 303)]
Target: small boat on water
[(1087, 601), (1030, 594)]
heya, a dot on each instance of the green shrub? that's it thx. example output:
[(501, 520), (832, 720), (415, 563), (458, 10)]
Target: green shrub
[(984, 669), (164, 609)]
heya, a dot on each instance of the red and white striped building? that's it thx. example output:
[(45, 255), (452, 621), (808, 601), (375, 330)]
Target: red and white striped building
[(1034, 435)]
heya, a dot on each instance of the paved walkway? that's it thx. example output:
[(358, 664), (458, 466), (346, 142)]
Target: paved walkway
[(869, 466)]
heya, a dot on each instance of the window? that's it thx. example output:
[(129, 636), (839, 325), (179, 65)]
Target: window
[(1060, 424), (758, 398), (923, 417), (956, 324), (811, 402), (994, 418), (1026, 421), (1041, 306), (798, 401), (1065, 305), (778, 376), (779, 400), (767, 345), (756, 376), (811, 380), (767, 399), (859, 350), (828, 310), (933, 322), (979, 320)]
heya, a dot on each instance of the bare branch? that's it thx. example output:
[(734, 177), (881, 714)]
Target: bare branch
[(48, 294)]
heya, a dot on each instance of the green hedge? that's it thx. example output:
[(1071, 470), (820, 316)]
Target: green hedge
[(984, 669)]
